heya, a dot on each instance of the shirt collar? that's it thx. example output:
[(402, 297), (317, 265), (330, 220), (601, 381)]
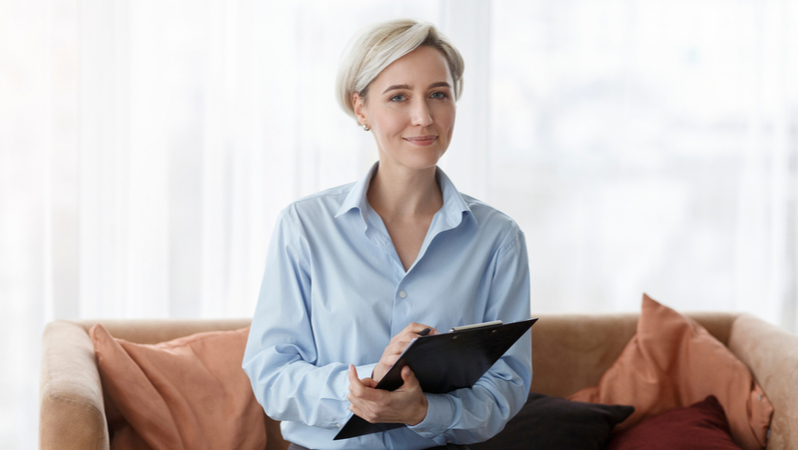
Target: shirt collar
[(357, 197), (453, 208)]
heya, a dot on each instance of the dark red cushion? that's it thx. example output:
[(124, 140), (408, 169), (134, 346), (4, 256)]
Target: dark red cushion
[(699, 426)]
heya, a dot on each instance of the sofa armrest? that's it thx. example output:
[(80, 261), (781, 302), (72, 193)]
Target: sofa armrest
[(771, 355), (71, 413)]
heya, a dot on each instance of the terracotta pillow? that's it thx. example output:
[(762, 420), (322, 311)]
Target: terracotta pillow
[(672, 362), (701, 426), (189, 393)]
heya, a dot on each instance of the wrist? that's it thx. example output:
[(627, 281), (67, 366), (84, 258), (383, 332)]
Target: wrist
[(420, 412)]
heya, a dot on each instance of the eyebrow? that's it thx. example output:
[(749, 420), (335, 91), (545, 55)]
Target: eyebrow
[(405, 86)]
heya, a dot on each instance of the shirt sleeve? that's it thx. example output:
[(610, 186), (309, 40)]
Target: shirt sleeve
[(280, 357), (473, 415)]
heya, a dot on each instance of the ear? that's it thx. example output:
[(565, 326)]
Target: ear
[(359, 107)]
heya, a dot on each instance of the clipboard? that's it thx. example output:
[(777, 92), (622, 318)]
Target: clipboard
[(443, 363)]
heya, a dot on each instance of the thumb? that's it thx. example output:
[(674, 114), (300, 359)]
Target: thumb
[(409, 379)]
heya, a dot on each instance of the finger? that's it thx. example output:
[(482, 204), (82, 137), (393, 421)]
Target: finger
[(401, 341), (413, 329), (355, 384), (388, 360), (408, 330), (399, 344), (393, 352), (353, 407), (369, 382), (396, 347)]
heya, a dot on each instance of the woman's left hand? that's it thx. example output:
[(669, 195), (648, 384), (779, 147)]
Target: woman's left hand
[(407, 404)]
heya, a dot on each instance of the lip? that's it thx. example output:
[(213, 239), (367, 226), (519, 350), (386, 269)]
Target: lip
[(422, 140)]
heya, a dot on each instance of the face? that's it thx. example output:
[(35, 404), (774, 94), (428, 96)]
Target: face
[(411, 110)]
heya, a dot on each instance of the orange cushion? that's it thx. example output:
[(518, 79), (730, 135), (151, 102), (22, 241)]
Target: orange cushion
[(673, 362), (189, 393)]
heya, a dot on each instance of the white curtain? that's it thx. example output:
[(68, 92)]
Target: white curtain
[(650, 146), (146, 148)]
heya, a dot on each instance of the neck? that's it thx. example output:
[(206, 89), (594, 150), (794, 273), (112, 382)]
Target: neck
[(405, 193)]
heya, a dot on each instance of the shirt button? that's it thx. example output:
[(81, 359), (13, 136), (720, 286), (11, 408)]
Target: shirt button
[(403, 294)]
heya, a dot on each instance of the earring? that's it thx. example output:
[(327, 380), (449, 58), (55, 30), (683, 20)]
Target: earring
[(366, 127)]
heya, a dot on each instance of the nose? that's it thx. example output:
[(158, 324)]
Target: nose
[(421, 113)]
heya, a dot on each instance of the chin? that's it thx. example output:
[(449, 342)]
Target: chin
[(422, 163), (416, 160)]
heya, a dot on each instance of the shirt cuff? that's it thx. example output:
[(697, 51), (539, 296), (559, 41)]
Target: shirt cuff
[(437, 421)]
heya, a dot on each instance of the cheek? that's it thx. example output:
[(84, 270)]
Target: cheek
[(389, 122), (446, 117)]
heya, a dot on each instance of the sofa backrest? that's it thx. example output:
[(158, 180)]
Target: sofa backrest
[(572, 351)]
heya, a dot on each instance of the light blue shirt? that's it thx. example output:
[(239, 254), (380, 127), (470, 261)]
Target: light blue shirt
[(335, 293)]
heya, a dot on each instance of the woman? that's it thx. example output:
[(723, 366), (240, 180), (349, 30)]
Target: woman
[(354, 273)]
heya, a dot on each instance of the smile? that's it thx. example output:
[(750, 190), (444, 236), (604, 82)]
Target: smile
[(422, 140)]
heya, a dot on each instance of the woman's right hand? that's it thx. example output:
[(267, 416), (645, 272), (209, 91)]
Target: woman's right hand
[(396, 347)]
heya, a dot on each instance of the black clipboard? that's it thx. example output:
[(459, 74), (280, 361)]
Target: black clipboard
[(443, 363)]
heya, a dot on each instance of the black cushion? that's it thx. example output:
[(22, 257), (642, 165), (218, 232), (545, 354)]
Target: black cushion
[(556, 423)]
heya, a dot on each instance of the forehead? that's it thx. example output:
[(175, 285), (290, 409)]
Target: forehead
[(424, 65)]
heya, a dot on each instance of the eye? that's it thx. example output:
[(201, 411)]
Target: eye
[(439, 95), (398, 98)]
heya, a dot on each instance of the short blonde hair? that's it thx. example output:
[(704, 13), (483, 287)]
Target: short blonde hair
[(381, 44)]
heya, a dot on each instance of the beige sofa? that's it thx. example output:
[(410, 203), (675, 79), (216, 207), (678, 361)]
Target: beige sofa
[(570, 352)]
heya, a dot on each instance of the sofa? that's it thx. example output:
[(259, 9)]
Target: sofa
[(570, 352)]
